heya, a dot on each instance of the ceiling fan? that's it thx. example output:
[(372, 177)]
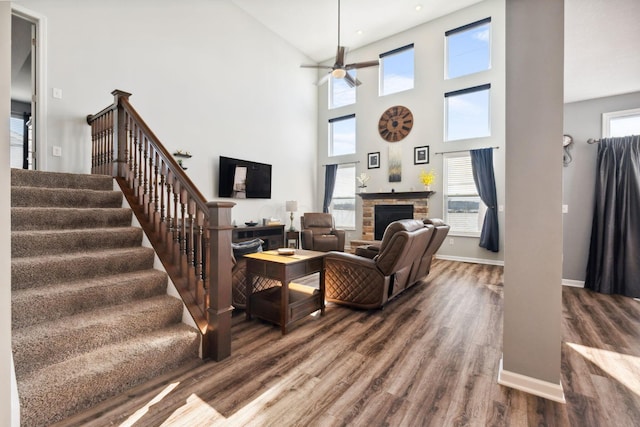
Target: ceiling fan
[(339, 69)]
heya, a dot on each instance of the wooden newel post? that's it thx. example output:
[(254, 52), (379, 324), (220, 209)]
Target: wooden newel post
[(120, 134), (217, 341)]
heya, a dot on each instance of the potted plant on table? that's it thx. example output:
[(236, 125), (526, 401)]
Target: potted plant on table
[(427, 178), (363, 178)]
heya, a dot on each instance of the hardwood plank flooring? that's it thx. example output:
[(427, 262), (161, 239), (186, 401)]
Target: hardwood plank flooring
[(429, 358)]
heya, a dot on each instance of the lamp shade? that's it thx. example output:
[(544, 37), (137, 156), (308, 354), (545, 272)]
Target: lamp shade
[(291, 206)]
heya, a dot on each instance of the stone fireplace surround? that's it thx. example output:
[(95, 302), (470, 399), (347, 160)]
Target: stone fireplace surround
[(419, 200)]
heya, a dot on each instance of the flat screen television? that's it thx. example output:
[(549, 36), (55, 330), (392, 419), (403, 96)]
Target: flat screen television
[(243, 179)]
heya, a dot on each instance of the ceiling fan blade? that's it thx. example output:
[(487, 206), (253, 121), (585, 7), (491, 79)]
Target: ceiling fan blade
[(364, 64), (351, 81), (323, 80), (327, 67), (340, 57)]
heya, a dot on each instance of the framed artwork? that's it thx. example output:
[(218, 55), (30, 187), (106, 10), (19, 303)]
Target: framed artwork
[(421, 155), (395, 163), (373, 160)]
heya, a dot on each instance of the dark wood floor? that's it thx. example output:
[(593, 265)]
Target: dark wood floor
[(430, 358)]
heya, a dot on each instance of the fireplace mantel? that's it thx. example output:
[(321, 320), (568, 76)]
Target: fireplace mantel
[(398, 195)]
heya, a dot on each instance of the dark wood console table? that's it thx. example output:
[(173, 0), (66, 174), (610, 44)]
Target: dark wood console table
[(272, 235), (289, 302)]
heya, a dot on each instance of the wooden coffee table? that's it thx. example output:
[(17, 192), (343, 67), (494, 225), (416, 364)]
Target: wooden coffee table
[(289, 302)]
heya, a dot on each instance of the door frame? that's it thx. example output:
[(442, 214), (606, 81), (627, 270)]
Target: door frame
[(40, 79)]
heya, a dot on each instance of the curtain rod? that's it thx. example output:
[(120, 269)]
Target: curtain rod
[(592, 141), (343, 163), (462, 151)]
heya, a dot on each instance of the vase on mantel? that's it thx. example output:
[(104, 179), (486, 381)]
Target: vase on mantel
[(363, 189), (427, 188)]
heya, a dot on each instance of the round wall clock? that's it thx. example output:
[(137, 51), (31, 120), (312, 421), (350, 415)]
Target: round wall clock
[(395, 123)]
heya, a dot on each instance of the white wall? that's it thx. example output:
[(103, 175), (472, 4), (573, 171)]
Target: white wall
[(8, 396), (205, 76), (426, 101)]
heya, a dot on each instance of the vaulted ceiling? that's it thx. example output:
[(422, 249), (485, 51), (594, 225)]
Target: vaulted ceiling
[(602, 37)]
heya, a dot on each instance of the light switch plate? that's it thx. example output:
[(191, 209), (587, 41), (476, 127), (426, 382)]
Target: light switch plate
[(57, 151), (57, 93)]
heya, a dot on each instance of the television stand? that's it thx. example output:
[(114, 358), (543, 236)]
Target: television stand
[(272, 235)]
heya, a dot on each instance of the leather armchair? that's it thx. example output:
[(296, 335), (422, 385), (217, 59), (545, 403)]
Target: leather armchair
[(364, 282), (319, 233), (439, 234)]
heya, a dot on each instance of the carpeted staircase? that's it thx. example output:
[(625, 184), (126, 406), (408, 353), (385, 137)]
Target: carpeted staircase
[(90, 316)]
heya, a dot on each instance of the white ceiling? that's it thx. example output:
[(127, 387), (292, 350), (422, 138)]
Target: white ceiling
[(602, 37)]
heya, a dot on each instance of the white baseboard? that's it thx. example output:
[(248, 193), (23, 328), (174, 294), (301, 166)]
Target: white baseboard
[(471, 260), (573, 283), (531, 385)]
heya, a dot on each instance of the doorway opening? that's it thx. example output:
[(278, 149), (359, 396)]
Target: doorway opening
[(27, 104)]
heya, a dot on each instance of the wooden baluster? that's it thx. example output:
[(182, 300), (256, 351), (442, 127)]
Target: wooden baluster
[(145, 175), (175, 248), (199, 254), (140, 164), (168, 234), (105, 158), (110, 156), (182, 259), (130, 152), (148, 207), (163, 187), (190, 248), (158, 189)]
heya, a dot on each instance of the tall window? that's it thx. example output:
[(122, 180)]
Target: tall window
[(467, 113), (343, 205), (464, 211), (340, 93), (342, 135), (396, 70), (621, 123), (468, 49)]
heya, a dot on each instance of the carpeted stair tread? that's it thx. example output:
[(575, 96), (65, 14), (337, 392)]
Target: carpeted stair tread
[(31, 272), (47, 303), (47, 343), (47, 242), (64, 197), (91, 317), (52, 394), (28, 178), (23, 218)]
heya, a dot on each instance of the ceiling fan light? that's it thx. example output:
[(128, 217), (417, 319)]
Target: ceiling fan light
[(339, 73)]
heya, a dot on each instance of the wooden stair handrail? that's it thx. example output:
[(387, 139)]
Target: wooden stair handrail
[(191, 235)]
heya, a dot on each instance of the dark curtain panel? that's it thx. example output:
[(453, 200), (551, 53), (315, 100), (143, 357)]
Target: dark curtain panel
[(482, 166), (614, 253), (329, 184)]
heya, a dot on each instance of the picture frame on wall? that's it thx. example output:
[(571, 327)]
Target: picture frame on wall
[(373, 160), (421, 155)]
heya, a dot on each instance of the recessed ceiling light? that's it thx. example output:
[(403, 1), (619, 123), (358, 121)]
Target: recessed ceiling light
[(359, 32), (418, 7)]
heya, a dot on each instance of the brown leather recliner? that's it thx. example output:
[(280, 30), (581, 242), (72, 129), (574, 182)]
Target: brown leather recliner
[(369, 283), (422, 265), (439, 234), (320, 234)]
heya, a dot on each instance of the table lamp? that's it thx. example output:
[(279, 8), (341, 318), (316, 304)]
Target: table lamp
[(291, 206)]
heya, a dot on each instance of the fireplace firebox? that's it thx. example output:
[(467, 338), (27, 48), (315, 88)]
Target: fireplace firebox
[(386, 214)]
